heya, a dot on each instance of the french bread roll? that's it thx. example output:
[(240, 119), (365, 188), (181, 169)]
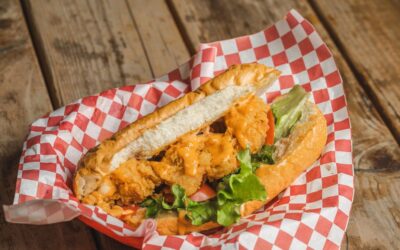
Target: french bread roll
[(149, 135), (124, 156), (298, 152)]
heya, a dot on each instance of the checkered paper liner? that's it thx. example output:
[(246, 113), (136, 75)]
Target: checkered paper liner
[(312, 213)]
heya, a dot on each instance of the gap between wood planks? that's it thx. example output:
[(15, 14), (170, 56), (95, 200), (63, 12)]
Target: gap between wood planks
[(156, 59), (373, 142), (46, 72), (140, 38), (360, 78), (23, 98), (184, 34), (179, 24), (184, 30), (39, 51)]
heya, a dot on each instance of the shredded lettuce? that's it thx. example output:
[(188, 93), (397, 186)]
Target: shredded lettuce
[(287, 111)]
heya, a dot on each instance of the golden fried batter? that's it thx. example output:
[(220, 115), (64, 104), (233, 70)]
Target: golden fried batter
[(104, 195), (247, 121), (187, 162), (180, 165), (135, 180), (175, 174), (218, 155), (134, 219)]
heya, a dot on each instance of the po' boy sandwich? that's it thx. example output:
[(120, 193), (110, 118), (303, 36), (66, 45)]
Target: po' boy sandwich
[(205, 160)]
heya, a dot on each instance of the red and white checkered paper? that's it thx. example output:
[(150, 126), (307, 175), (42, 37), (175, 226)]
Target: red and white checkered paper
[(312, 213)]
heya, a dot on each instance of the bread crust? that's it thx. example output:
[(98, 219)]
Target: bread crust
[(95, 164), (304, 150)]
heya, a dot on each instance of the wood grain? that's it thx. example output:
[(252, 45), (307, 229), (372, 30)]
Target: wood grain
[(205, 21), (162, 41), (23, 98), (368, 32), (107, 44), (375, 219), (86, 46), (89, 46), (375, 149)]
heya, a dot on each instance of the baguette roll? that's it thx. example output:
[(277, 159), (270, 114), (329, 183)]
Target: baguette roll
[(181, 144), (149, 135), (297, 152)]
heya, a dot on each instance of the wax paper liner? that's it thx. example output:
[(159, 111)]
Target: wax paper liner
[(313, 212)]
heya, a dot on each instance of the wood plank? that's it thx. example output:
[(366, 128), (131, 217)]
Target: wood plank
[(375, 149), (205, 21), (87, 46), (163, 44), (24, 98), (368, 32), (146, 43), (375, 219)]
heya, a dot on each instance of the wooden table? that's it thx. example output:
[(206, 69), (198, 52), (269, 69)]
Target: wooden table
[(53, 52)]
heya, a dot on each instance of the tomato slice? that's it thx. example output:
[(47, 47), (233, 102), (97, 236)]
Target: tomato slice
[(204, 193), (269, 139)]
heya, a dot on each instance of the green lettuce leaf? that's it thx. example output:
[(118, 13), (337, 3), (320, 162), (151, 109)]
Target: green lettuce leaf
[(156, 205), (201, 212), (229, 213), (244, 159), (179, 198), (153, 207), (288, 110), (237, 189), (232, 192), (198, 212)]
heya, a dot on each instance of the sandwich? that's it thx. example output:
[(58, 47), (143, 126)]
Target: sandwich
[(206, 159)]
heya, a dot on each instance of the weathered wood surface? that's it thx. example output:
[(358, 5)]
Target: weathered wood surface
[(368, 32), (86, 47), (163, 44), (89, 46), (23, 97), (375, 149), (375, 217), (205, 21)]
